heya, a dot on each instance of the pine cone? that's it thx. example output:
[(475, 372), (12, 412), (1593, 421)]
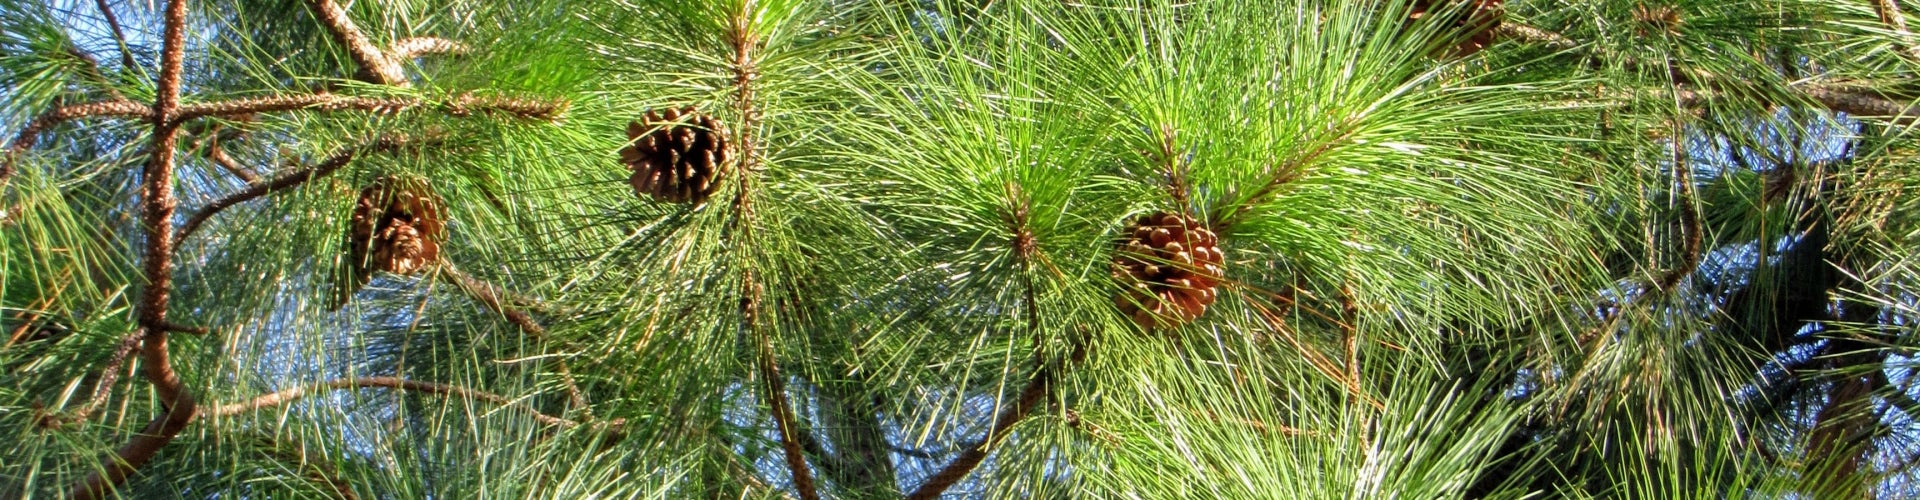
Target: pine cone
[(1170, 265), (1479, 20), (397, 227), (676, 156)]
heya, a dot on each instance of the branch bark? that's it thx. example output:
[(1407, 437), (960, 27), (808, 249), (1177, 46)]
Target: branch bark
[(157, 206), (375, 66), (410, 48)]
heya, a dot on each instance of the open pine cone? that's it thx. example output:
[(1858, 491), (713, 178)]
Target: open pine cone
[(1170, 265), (676, 156), (1480, 18), (397, 227)]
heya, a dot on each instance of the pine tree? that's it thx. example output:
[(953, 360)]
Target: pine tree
[(1020, 248)]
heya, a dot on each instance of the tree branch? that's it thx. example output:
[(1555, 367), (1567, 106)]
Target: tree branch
[(409, 48), (289, 180), (31, 133), (319, 101), (494, 299), (119, 37), (1526, 33), (964, 464), (157, 206), (218, 156), (1839, 97), (742, 37), (102, 387), (462, 105), (375, 66), (292, 394)]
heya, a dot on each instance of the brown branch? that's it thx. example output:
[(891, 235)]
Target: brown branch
[(103, 386), (1689, 219), (409, 48), (527, 108), (318, 101), (292, 394), (31, 133), (493, 297), (375, 66), (745, 42), (157, 207), (218, 156), (954, 471), (119, 37), (1531, 34), (288, 181)]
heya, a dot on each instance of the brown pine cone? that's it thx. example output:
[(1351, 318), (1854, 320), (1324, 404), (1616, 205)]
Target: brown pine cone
[(1479, 20), (1171, 266), (397, 227), (677, 156)]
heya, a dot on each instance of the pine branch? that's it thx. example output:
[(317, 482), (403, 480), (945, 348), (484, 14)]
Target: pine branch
[(290, 180), (292, 394), (102, 387), (218, 155), (1689, 220), (742, 37), (961, 466), (528, 108), (375, 66), (31, 133), (157, 207), (409, 48), (1835, 96), (1030, 397), (119, 37), (494, 298)]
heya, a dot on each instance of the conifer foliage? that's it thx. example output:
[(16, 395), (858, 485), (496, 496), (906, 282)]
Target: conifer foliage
[(872, 249)]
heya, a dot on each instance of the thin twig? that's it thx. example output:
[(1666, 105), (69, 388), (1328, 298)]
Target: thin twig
[(218, 156), (103, 386), (375, 66), (745, 41), (1030, 397), (1689, 219), (1840, 97), (954, 471), (292, 394), (289, 180), (494, 299), (119, 37), (157, 207)]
